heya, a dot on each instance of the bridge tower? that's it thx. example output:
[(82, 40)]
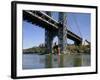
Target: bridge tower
[(48, 37), (62, 32)]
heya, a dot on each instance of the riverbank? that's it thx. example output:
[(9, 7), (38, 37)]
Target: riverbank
[(79, 49), (71, 49), (35, 50)]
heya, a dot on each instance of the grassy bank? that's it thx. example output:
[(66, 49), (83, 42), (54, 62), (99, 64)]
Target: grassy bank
[(69, 48), (35, 50), (79, 49)]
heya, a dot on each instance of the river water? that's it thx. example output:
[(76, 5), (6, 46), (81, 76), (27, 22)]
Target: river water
[(36, 61)]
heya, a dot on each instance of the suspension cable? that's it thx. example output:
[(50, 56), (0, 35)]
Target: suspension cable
[(68, 25), (74, 17)]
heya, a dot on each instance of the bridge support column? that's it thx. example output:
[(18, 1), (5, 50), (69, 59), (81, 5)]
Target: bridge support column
[(62, 40), (48, 41), (48, 37), (62, 32)]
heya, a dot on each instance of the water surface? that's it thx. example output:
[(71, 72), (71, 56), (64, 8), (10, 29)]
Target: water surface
[(36, 61)]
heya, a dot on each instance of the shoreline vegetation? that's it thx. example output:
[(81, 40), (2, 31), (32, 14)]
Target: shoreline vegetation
[(71, 49)]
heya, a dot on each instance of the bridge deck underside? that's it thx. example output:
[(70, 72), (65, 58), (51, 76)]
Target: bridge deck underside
[(49, 26), (74, 37), (38, 21)]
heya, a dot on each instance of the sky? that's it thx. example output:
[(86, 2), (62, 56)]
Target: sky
[(33, 35)]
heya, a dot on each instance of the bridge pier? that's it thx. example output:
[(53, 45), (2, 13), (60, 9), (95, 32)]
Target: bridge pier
[(48, 37), (48, 41), (61, 40), (62, 32)]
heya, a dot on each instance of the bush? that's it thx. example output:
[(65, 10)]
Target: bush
[(78, 49)]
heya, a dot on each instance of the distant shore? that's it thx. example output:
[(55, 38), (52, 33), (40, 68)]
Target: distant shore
[(71, 50)]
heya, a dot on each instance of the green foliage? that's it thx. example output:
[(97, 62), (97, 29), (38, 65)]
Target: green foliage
[(79, 49), (70, 48), (35, 50)]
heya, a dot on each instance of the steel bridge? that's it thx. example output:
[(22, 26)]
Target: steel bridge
[(52, 28)]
